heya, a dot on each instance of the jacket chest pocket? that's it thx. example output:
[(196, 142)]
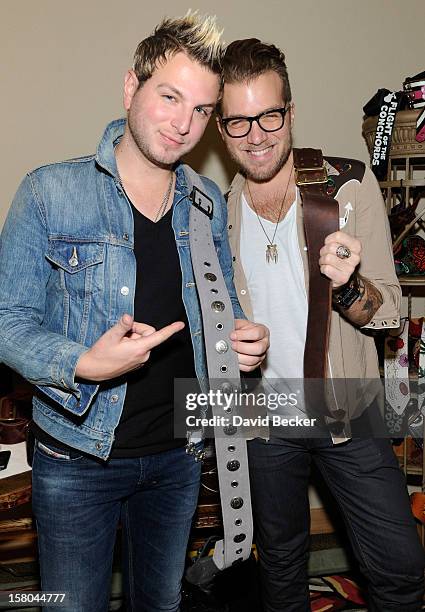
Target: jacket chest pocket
[(79, 265)]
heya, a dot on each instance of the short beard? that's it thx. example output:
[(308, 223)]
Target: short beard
[(144, 148), (267, 175)]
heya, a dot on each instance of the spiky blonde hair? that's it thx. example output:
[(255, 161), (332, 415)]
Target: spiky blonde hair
[(197, 36)]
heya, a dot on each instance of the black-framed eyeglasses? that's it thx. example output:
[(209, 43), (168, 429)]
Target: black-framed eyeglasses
[(269, 121)]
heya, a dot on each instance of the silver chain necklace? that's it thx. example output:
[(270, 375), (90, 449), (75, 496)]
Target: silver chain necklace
[(271, 248), (164, 202)]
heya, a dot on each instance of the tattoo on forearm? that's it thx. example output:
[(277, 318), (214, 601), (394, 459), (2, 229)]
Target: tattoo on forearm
[(369, 301), (373, 299), (368, 305), (362, 287)]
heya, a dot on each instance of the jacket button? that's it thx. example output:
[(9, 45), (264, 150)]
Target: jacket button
[(243, 291), (230, 226), (233, 258), (98, 445), (125, 236), (114, 399), (124, 290)]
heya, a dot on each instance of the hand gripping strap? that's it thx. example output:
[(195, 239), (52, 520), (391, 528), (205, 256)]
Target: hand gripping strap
[(223, 373), (321, 218)]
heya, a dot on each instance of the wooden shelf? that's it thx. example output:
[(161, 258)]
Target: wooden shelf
[(413, 470), (412, 281)]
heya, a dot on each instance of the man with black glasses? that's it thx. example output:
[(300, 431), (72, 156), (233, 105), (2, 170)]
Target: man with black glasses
[(267, 236)]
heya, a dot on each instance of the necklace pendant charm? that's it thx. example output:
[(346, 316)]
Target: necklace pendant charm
[(271, 253)]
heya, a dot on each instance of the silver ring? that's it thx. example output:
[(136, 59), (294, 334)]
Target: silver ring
[(343, 252)]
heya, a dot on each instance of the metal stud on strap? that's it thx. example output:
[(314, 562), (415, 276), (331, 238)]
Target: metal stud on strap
[(223, 373)]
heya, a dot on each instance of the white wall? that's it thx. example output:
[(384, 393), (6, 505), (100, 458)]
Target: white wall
[(62, 65)]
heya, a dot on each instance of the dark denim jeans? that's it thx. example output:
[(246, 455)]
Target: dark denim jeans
[(78, 501), (364, 477)]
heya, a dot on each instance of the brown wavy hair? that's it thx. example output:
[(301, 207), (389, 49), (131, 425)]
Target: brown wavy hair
[(246, 59)]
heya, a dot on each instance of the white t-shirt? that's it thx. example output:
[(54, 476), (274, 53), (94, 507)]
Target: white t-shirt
[(277, 290)]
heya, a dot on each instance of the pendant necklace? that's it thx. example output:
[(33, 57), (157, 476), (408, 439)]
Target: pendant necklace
[(271, 248)]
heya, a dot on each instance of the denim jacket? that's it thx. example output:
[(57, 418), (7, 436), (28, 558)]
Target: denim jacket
[(68, 273)]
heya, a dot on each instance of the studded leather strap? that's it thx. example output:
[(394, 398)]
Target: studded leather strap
[(223, 373)]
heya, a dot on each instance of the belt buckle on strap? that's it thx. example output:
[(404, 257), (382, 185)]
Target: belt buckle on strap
[(311, 176), (202, 202)]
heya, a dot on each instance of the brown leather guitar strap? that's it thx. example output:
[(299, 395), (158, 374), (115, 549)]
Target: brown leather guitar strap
[(321, 218)]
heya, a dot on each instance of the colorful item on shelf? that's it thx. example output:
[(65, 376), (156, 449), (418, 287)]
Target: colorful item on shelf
[(415, 342), (414, 88), (417, 367), (396, 368), (420, 127), (417, 502), (409, 256), (384, 105)]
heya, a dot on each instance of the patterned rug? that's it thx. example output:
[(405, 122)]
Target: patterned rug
[(329, 593)]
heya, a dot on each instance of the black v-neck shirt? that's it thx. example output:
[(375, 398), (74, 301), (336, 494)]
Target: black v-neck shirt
[(146, 424)]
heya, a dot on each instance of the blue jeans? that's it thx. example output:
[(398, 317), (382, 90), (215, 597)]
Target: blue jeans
[(77, 503), (364, 477)]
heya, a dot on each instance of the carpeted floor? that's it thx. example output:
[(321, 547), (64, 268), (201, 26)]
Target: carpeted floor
[(330, 593)]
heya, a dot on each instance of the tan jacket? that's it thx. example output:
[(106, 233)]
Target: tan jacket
[(352, 352)]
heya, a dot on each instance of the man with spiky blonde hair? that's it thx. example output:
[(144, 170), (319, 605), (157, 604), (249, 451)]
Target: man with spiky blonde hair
[(99, 309), (200, 40)]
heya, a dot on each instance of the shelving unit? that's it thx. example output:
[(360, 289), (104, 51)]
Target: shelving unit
[(405, 187)]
